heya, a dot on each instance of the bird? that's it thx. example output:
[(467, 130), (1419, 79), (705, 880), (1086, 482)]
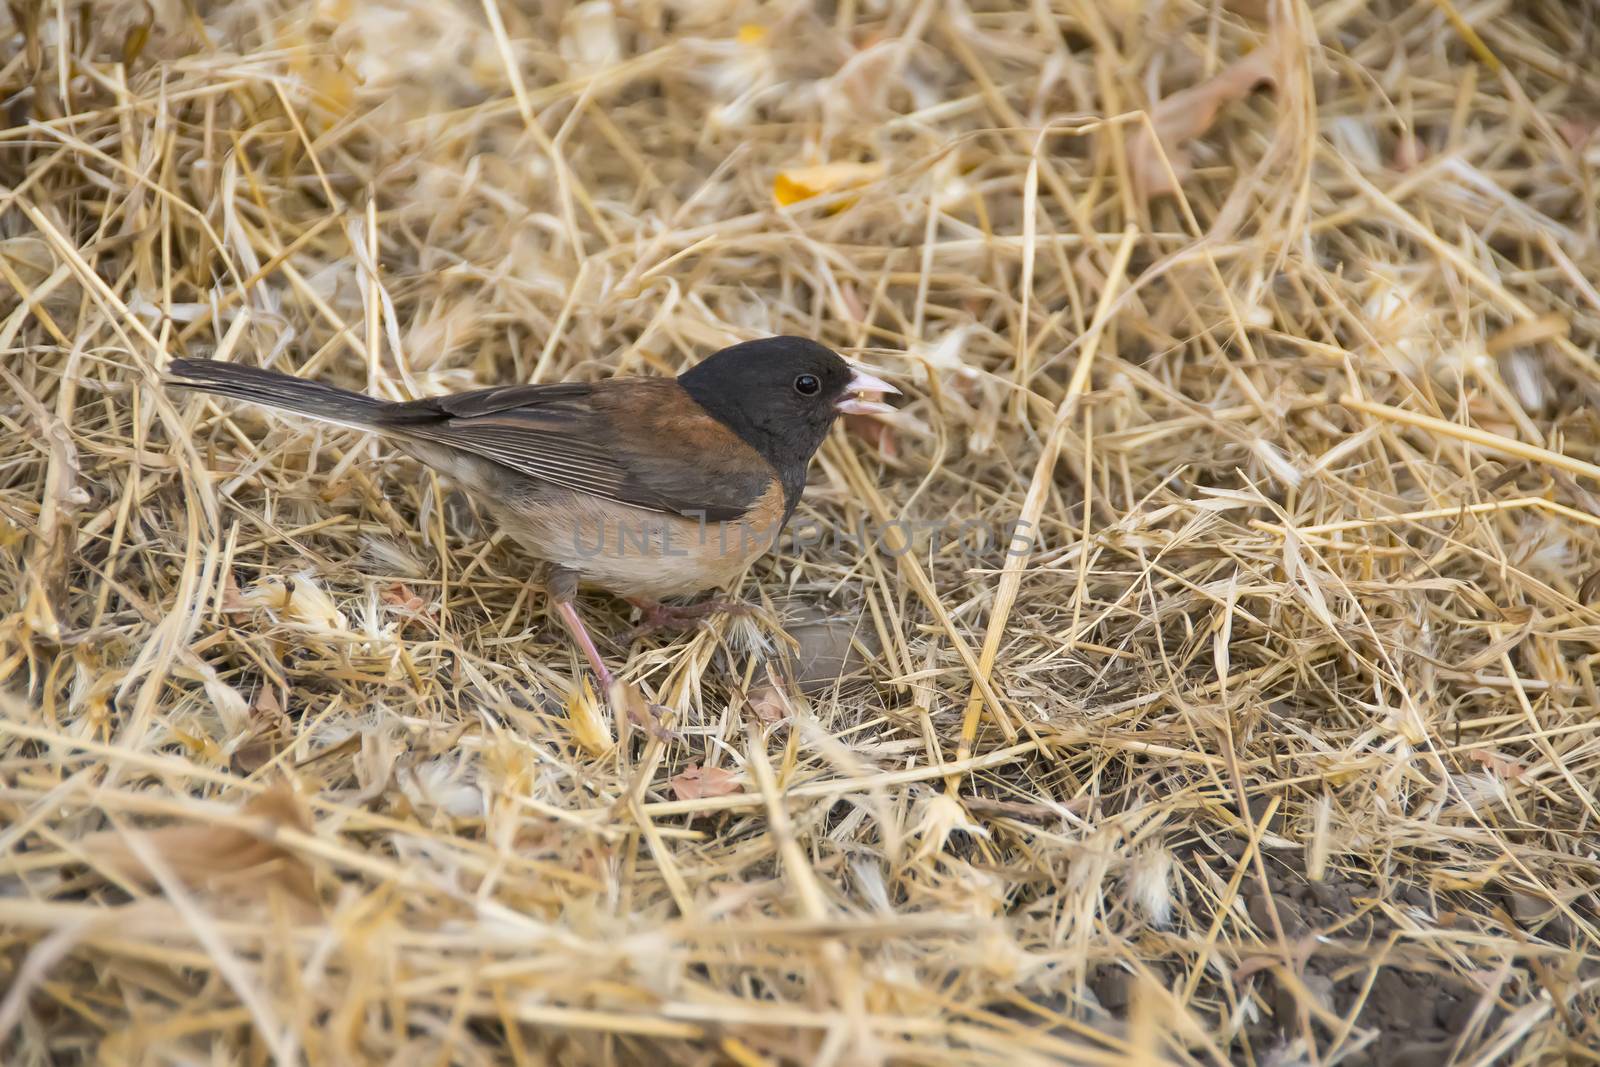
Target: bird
[(644, 487)]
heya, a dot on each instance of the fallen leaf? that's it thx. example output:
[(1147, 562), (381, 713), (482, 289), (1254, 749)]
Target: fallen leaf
[(826, 639), (253, 755), (696, 782), (266, 703), (1576, 132), (216, 857), (1500, 766), (405, 601), (768, 704), (269, 729), (232, 598), (803, 183), (400, 595), (1189, 113)]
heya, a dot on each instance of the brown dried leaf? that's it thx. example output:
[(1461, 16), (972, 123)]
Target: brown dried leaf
[(768, 704), (232, 599), (826, 645), (696, 782), (402, 596), (1502, 767), (406, 602), (266, 704), (1189, 113), (213, 857), (1576, 132), (253, 755)]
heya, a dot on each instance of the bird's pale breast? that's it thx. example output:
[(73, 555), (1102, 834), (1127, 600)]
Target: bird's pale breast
[(634, 552)]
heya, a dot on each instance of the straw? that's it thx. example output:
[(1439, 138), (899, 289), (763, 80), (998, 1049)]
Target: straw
[(1277, 740)]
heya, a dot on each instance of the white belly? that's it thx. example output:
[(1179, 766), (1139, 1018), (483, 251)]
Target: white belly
[(633, 552)]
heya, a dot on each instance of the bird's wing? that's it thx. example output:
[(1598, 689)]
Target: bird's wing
[(614, 439)]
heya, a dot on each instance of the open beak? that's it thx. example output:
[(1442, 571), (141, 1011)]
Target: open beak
[(862, 382)]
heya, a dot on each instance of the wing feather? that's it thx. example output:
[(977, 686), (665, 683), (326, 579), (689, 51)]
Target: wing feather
[(552, 434)]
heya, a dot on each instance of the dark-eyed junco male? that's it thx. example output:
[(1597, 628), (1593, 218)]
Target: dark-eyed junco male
[(645, 487)]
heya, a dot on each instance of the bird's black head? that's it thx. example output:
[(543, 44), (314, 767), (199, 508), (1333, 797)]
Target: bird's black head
[(781, 395)]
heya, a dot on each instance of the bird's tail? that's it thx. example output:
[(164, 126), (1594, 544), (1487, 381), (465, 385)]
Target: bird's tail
[(275, 390)]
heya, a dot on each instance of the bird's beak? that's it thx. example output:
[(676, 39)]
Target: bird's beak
[(862, 382)]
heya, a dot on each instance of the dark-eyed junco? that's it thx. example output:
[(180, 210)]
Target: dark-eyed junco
[(645, 487)]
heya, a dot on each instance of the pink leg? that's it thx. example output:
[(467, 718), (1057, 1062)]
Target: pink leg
[(580, 634), (650, 717)]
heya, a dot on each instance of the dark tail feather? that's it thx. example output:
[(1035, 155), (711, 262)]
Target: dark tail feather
[(274, 390)]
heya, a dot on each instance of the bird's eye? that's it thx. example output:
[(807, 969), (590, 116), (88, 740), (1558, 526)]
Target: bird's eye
[(807, 385)]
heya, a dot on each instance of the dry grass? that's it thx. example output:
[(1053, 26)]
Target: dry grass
[(1283, 746)]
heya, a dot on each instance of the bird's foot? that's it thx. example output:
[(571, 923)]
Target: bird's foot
[(627, 698), (658, 616)]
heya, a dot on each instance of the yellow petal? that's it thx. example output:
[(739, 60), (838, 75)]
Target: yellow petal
[(803, 183), (589, 726), (751, 34)]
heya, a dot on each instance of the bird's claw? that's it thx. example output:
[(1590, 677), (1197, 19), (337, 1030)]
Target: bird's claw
[(657, 616)]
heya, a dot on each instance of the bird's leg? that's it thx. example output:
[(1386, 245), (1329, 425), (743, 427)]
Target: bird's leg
[(659, 616), (563, 588), (580, 633)]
